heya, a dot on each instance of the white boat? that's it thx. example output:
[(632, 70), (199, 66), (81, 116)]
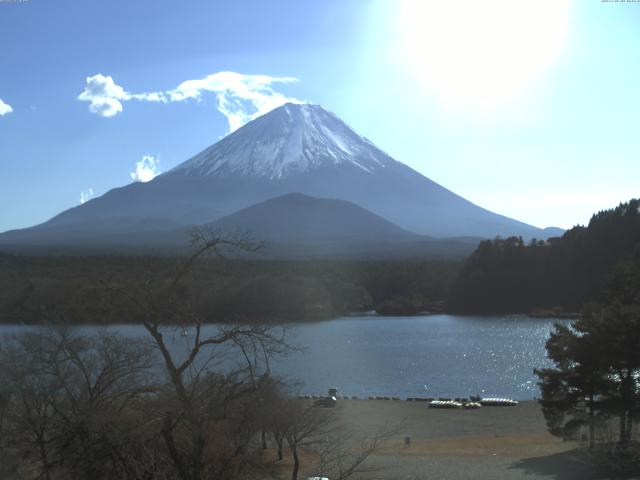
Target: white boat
[(445, 404), (498, 402)]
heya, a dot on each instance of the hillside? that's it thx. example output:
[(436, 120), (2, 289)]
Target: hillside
[(562, 274), (298, 217)]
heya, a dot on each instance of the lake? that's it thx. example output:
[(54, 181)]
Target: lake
[(429, 356)]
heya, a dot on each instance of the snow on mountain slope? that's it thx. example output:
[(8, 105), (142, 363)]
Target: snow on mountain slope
[(295, 148), (295, 138)]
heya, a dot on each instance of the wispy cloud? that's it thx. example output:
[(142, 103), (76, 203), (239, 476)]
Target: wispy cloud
[(240, 97), (5, 108), (146, 169), (86, 195)]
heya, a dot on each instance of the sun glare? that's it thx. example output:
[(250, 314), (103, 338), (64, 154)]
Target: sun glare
[(481, 53)]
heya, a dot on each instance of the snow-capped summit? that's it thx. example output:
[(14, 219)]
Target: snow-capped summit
[(293, 138), (296, 148)]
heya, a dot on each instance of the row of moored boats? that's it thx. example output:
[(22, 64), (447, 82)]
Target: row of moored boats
[(483, 402)]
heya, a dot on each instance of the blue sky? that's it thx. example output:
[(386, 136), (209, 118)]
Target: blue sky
[(530, 111)]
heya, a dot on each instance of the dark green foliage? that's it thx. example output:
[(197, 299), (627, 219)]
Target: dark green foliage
[(561, 274), (570, 392), (597, 361), (48, 289)]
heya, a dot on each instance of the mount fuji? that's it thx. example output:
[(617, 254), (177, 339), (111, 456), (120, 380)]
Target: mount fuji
[(296, 148)]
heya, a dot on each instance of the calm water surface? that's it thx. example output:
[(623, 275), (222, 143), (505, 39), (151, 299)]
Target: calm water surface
[(435, 355)]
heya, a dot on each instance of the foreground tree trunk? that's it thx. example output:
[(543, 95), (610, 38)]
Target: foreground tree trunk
[(280, 441), (46, 468), (591, 420), (627, 406), (296, 463)]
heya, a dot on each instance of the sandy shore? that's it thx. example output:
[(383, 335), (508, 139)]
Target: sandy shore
[(488, 443)]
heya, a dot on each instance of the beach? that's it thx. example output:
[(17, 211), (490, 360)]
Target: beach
[(487, 443)]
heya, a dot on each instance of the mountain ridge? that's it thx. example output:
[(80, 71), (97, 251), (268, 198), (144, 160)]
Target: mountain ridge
[(293, 148)]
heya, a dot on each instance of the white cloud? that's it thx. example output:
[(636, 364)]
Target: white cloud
[(5, 108), (86, 196), (104, 95), (146, 169), (240, 97)]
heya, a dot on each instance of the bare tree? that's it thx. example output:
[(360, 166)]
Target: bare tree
[(33, 396), (98, 407), (274, 403), (305, 427), (341, 457), (276, 418), (220, 367), (64, 395)]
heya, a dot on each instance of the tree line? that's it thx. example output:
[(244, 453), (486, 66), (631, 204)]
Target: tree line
[(554, 276), (37, 289)]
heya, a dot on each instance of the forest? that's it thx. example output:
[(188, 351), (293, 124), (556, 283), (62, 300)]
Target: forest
[(547, 277), (75, 289), (550, 277)]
